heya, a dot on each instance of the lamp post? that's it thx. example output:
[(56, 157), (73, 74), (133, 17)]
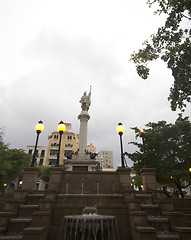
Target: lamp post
[(39, 128), (142, 135), (61, 128), (120, 129)]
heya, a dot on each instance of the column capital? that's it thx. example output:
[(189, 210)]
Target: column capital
[(84, 116)]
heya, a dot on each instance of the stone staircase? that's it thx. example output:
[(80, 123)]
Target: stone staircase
[(157, 219), (20, 218), (184, 206)]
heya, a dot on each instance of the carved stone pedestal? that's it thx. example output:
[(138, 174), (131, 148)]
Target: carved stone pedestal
[(30, 178), (149, 178)]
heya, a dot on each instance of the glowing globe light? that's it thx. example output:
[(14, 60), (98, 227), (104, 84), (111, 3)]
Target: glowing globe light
[(61, 126), (39, 127), (120, 128)]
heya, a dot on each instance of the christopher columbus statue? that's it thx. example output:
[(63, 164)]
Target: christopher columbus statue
[(86, 101)]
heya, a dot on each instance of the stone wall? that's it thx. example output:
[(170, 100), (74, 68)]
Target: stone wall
[(90, 182)]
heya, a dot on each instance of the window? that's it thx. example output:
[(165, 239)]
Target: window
[(41, 161), (55, 136), (42, 153), (30, 151), (69, 137), (66, 145), (74, 138)]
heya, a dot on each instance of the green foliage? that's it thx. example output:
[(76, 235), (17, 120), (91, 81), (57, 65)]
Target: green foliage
[(168, 149), (12, 162), (171, 44), (44, 173), (137, 180)]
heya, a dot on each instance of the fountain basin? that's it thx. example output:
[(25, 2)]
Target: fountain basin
[(89, 227)]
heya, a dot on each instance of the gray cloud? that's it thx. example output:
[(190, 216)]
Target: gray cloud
[(63, 68)]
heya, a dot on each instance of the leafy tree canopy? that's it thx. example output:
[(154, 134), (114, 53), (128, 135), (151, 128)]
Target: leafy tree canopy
[(44, 173), (12, 162), (168, 149), (172, 44)]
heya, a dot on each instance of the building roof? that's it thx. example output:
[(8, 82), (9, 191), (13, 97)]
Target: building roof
[(66, 132)]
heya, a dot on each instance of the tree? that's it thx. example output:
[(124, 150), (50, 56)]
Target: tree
[(168, 149), (44, 173), (12, 162), (172, 44)]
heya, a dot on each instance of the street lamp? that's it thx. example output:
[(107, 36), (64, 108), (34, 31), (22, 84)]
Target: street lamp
[(142, 135), (39, 128), (61, 128), (120, 129)]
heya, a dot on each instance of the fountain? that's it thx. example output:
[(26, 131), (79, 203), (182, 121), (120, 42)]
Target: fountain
[(89, 226)]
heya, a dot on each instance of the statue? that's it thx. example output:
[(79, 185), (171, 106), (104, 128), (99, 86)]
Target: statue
[(86, 101)]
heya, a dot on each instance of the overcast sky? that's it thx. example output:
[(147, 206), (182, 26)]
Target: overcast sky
[(51, 51)]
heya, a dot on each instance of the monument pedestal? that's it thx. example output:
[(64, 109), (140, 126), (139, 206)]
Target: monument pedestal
[(149, 178), (55, 178), (81, 162), (124, 178), (30, 178)]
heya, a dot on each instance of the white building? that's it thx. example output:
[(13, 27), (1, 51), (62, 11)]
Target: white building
[(107, 159), (40, 153)]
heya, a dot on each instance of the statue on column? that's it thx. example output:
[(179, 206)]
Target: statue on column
[(86, 101)]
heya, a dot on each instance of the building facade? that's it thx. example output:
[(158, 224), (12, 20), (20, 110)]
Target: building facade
[(91, 148), (69, 144), (107, 159), (41, 153), (47, 155)]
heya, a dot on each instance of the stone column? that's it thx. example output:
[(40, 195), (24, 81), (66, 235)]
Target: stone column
[(30, 178), (124, 178), (55, 178), (84, 117), (149, 178)]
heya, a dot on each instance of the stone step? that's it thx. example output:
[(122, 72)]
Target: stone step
[(143, 195), (161, 224), (151, 209), (26, 211), (187, 217), (29, 206), (33, 199), (158, 219), (144, 198), (168, 236), (184, 210), (17, 225), (188, 223), (11, 237), (149, 205)]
